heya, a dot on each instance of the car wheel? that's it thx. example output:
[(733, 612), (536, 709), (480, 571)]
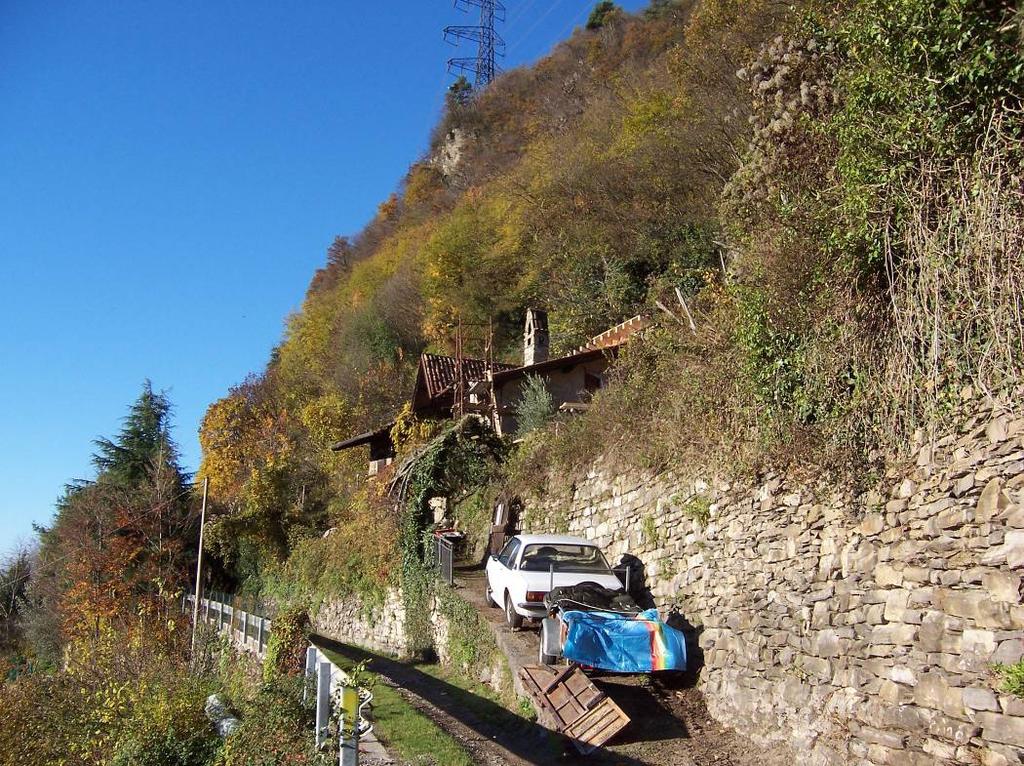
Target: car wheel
[(488, 598), (512, 617), (546, 659)]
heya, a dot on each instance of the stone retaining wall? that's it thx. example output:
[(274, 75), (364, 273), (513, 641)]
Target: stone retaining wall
[(382, 628), (377, 628), (859, 627)]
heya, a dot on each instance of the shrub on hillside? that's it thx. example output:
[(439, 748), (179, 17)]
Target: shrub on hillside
[(286, 651), (276, 727), (120, 700), (601, 14), (536, 407)]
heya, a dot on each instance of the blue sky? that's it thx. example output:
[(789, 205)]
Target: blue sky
[(171, 174)]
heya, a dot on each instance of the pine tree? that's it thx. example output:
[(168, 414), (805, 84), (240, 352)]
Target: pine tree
[(460, 92), (120, 543), (143, 451), (536, 407), (601, 14)]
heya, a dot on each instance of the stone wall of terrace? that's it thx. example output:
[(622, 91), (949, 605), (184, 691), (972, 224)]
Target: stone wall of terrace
[(860, 627)]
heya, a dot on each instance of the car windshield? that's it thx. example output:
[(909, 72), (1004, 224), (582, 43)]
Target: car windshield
[(566, 557)]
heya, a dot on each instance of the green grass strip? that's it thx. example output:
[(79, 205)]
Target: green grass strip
[(402, 728)]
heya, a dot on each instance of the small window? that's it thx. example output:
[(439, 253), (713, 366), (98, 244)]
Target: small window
[(508, 554)]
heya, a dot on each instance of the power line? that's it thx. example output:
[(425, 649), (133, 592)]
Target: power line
[(535, 24), (576, 19), (490, 45), (519, 12)]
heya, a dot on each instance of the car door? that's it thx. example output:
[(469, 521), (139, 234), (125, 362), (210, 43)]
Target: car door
[(498, 569)]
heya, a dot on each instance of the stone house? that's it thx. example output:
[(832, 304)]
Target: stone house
[(493, 390)]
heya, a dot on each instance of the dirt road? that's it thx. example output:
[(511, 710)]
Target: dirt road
[(670, 723)]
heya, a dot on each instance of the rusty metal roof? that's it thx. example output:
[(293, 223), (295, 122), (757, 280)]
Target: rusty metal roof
[(558, 363)]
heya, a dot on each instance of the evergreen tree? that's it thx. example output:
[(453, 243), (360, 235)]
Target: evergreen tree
[(119, 544), (143, 451), (460, 92), (536, 407), (601, 14)]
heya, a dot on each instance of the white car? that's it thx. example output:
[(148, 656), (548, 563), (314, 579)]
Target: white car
[(529, 566)]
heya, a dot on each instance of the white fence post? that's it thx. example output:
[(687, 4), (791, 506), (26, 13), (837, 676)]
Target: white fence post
[(310, 671), (323, 700)]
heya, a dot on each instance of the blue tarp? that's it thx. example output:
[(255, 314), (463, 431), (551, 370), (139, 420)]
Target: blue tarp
[(623, 643)]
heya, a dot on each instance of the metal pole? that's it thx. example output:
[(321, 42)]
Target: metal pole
[(199, 564), (348, 735)]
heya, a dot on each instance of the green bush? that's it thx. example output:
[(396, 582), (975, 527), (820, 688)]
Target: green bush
[(536, 407), (286, 650), (698, 508), (276, 727), (169, 748), (920, 80)]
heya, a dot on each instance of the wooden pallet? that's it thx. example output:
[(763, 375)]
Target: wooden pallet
[(580, 710)]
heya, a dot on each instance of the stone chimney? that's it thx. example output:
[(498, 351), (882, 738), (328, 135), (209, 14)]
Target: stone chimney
[(536, 341)]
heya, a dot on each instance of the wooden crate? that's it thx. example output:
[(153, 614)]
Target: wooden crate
[(579, 709), (597, 726)]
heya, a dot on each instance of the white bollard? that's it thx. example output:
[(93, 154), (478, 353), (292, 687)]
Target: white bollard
[(323, 701), (310, 671)]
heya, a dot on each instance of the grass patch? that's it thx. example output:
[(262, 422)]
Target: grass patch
[(480, 699), (402, 728), (490, 707), (698, 509), (1012, 678)]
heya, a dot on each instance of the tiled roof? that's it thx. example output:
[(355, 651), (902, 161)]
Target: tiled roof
[(441, 372), (605, 344)]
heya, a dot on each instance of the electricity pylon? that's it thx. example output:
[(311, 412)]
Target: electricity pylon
[(483, 66)]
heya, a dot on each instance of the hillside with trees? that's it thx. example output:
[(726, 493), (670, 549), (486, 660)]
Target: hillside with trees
[(815, 181), (819, 207)]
